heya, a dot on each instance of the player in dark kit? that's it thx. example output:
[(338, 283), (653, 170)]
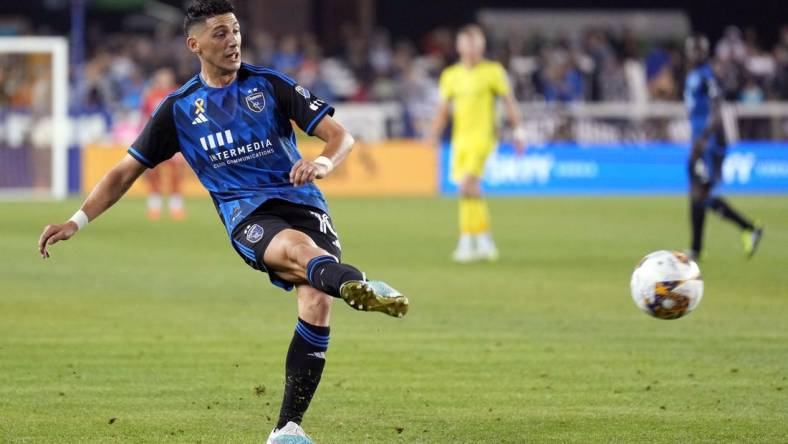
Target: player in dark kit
[(702, 99), (232, 124)]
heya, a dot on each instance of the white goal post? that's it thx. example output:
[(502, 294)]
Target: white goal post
[(58, 127)]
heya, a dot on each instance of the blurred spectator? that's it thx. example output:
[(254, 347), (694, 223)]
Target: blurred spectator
[(585, 66), (310, 75), (263, 48), (662, 84), (780, 82), (588, 66), (562, 82), (287, 59), (751, 94), (612, 82), (162, 84), (731, 46), (416, 90), (730, 75)]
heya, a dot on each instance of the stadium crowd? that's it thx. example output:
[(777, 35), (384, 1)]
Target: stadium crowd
[(590, 66), (585, 67)]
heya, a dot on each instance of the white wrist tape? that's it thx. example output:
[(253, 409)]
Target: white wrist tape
[(80, 218), (326, 162), (519, 134)]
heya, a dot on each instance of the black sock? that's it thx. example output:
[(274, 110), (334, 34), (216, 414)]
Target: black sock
[(327, 275), (722, 208), (303, 368), (698, 216)]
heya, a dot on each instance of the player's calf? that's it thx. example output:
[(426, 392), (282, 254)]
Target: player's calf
[(306, 359), (314, 306), (327, 275)]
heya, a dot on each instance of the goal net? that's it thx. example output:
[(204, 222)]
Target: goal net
[(33, 117)]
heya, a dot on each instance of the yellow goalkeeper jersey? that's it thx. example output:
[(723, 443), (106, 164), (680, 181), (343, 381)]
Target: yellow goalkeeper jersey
[(473, 92)]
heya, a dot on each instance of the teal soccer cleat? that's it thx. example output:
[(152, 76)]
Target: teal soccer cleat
[(374, 296)]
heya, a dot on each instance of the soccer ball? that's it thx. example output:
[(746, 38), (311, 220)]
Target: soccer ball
[(666, 284)]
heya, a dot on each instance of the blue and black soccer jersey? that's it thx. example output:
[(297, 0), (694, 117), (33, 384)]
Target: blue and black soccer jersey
[(237, 139), (700, 91)]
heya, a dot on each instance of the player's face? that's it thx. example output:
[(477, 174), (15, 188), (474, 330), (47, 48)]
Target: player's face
[(470, 45), (218, 42), (696, 51)]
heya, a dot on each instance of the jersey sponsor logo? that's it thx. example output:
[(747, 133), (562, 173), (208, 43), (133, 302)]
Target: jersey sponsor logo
[(303, 91), (216, 140), (533, 169), (241, 153), (738, 167), (256, 100), (254, 233)]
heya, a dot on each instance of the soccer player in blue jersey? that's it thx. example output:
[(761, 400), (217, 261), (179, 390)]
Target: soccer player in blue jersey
[(702, 99), (232, 123)]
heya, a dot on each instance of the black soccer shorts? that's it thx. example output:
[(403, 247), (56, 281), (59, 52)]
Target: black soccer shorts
[(252, 236), (713, 163)]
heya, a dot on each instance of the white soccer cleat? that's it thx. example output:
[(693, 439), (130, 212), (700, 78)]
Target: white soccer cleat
[(464, 255), (291, 433), (485, 248), (488, 253)]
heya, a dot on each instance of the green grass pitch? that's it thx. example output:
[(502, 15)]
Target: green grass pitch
[(158, 332)]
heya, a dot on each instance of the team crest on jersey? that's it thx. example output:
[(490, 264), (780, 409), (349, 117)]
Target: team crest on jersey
[(303, 91), (256, 101), (254, 233)]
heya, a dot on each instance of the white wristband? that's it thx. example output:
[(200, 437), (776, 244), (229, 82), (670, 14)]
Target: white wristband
[(519, 134), (326, 162), (80, 218)]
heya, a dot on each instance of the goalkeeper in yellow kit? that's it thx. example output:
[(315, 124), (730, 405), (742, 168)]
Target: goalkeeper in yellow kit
[(468, 91)]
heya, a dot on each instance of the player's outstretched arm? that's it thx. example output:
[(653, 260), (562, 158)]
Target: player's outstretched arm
[(339, 143), (104, 195)]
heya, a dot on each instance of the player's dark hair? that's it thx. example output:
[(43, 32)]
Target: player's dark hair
[(471, 28), (199, 11)]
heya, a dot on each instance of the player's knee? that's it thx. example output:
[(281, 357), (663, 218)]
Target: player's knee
[(471, 192), (470, 188), (699, 194)]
